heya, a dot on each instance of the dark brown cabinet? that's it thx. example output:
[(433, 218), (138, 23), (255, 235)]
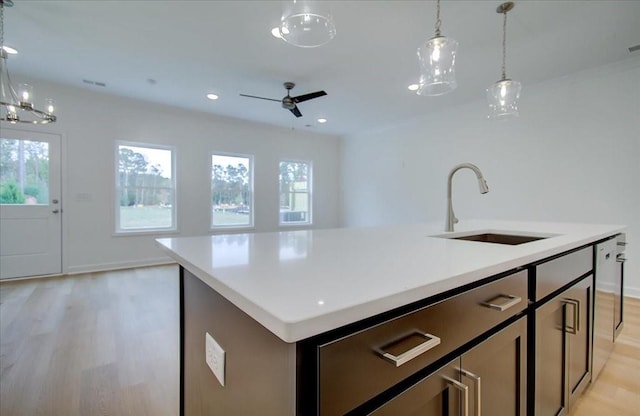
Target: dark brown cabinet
[(489, 379), (496, 371), (563, 348), (441, 393)]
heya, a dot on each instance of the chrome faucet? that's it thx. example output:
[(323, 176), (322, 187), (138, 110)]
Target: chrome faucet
[(451, 217)]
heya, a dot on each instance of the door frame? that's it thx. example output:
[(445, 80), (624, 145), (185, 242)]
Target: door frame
[(36, 130)]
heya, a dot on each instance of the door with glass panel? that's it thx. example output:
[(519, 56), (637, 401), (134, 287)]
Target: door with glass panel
[(30, 204)]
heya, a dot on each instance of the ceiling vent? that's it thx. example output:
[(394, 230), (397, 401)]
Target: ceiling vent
[(96, 83)]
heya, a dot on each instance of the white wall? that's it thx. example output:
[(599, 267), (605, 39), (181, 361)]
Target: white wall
[(91, 122), (573, 155)]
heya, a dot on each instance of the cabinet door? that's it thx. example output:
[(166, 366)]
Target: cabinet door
[(578, 300), (439, 394), (563, 349), (496, 373), (550, 395)]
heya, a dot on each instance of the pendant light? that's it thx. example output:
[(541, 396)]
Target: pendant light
[(437, 58), (503, 95), (17, 107), (307, 23)]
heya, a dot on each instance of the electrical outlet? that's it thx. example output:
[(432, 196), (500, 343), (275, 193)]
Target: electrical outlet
[(215, 356)]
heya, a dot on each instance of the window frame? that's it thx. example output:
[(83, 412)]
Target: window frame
[(251, 169), (309, 220), (119, 231)]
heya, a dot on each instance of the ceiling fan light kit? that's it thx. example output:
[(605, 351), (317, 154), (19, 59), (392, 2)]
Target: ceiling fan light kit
[(437, 58), (17, 105), (307, 23), (503, 96)]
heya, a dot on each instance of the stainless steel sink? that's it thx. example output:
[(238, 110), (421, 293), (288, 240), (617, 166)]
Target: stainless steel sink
[(512, 239)]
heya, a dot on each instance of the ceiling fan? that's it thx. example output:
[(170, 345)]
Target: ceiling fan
[(289, 102)]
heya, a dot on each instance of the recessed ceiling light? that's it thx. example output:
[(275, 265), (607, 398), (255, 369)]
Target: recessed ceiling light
[(322, 120), (10, 50), (275, 32), (212, 96), (413, 87)]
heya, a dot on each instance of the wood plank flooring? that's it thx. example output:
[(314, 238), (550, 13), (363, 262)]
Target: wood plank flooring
[(616, 391), (107, 344), (93, 344)]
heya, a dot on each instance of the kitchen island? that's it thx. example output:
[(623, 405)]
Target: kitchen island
[(281, 305)]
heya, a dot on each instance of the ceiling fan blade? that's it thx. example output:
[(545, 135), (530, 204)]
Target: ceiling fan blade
[(261, 98), (296, 111), (310, 96)]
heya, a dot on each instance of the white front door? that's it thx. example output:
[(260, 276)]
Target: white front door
[(30, 204)]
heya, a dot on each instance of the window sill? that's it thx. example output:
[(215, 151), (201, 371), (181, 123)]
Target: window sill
[(134, 233)]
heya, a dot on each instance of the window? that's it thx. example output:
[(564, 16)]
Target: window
[(295, 192), (145, 188), (24, 172), (231, 191)]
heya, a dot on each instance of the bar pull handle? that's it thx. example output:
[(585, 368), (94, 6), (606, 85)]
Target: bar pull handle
[(621, 259), (502, 302), (478, 382), (462, 389), (576, 315), (430, 342)]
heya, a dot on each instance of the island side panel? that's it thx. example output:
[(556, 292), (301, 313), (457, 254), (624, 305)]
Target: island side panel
[(260, 367)]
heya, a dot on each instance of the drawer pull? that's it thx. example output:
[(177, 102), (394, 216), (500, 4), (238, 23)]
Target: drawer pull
[(502, 306), (398, 360), (464, 389)]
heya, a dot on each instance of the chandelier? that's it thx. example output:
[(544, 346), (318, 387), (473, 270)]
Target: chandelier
[(18, 107)]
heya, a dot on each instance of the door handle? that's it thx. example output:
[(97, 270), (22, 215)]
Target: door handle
[(576, 316), (464, 389), (55, 211), (478, 382)]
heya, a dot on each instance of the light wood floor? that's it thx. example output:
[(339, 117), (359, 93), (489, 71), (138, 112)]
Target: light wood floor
[(92, 344), (107, 344), (616, 391)]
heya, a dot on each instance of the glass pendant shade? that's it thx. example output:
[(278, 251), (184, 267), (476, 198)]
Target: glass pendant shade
[(503, 99), (437, 59), (307, 23)]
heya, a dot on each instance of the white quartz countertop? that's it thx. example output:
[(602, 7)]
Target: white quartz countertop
[(302, 283)]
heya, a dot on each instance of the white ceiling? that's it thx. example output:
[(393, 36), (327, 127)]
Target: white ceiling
[(194, 47)]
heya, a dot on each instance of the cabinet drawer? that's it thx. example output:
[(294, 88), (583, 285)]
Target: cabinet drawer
[(554, 274), (360, 366)]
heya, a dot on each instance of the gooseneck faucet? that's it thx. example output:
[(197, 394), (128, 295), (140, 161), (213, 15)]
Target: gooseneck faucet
[(451, 217)]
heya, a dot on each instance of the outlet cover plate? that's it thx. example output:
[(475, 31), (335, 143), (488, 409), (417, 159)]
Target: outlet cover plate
[(215, 357)]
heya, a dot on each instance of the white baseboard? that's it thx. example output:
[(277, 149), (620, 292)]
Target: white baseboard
[(89, 268), (633, 292)]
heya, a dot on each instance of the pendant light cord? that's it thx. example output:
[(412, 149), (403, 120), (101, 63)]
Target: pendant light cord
[(504, 47), (438, 21)]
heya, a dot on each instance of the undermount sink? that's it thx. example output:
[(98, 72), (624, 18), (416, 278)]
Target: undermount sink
[(512, 239)]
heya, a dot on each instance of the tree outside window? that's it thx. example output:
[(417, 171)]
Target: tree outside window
[(145, 188), (295, 192), (231, 191)]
